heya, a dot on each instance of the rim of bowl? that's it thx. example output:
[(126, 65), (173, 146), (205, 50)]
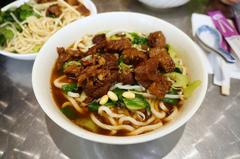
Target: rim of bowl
[(31, 56), (119, 140)]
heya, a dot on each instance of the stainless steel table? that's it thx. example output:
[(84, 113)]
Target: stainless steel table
[(25, 132)]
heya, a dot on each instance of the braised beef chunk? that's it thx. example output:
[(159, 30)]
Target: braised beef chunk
[(100, 67), (147, 72), (166, 63), (126, 77), (83, 10), (157, 39), (111, 61), (133, 56), (99, 38), (73, 71), (118, 45), (62, 58), (54, 11), (96, 91), (160, 87), (45, 1), (75, 53), (98, 48), (72, 2), (95, 88)]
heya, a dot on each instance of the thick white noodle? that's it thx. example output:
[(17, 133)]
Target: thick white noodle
[(134, 121), (74, 103), (105, 109), (57, 82), (163, 107), (172, 115), (140, 115), (110, 127), (114, 123), (145, 129), (159, 115), (73, 94), (66, 104), (116, 31)]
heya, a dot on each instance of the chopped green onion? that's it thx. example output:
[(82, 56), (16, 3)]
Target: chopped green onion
[(68, 63), (137, 39), (72, 87)]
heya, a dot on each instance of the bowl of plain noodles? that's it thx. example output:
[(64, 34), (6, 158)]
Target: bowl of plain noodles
[(120, 78), (25, 25)]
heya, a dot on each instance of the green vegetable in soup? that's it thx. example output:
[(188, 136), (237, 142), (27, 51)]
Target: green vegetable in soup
[(178, 70), (3, 40), (66, 64), (187, 92), (119, 93), (170, 101), (69, 112), (23, 12), (137, 39), (87, 123), (137, 103), (71, 87), (93, 107), (180, 79), (173, 55)]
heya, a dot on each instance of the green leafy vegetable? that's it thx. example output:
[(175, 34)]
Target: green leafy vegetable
[(170, 100), (3, 40), (137, 103), (70, 112), (178, 70), (180, 79), (7, 33), (119, 93), (110, 103), (137, 39), (187, 92), (93, 107), (72, 87), (173, 91), (6, 16), (87, 123), (66, 64), (23, 12), (125, 67), (173, 55), (36, 48)]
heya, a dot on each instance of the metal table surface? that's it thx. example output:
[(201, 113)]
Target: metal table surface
[(25, 131)]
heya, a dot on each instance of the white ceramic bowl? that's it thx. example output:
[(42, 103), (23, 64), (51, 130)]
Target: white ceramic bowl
[(164, 3), (47, 56), (31, 56)]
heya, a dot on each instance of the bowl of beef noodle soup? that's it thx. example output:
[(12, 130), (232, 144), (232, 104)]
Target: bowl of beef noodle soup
[(119, 78)]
